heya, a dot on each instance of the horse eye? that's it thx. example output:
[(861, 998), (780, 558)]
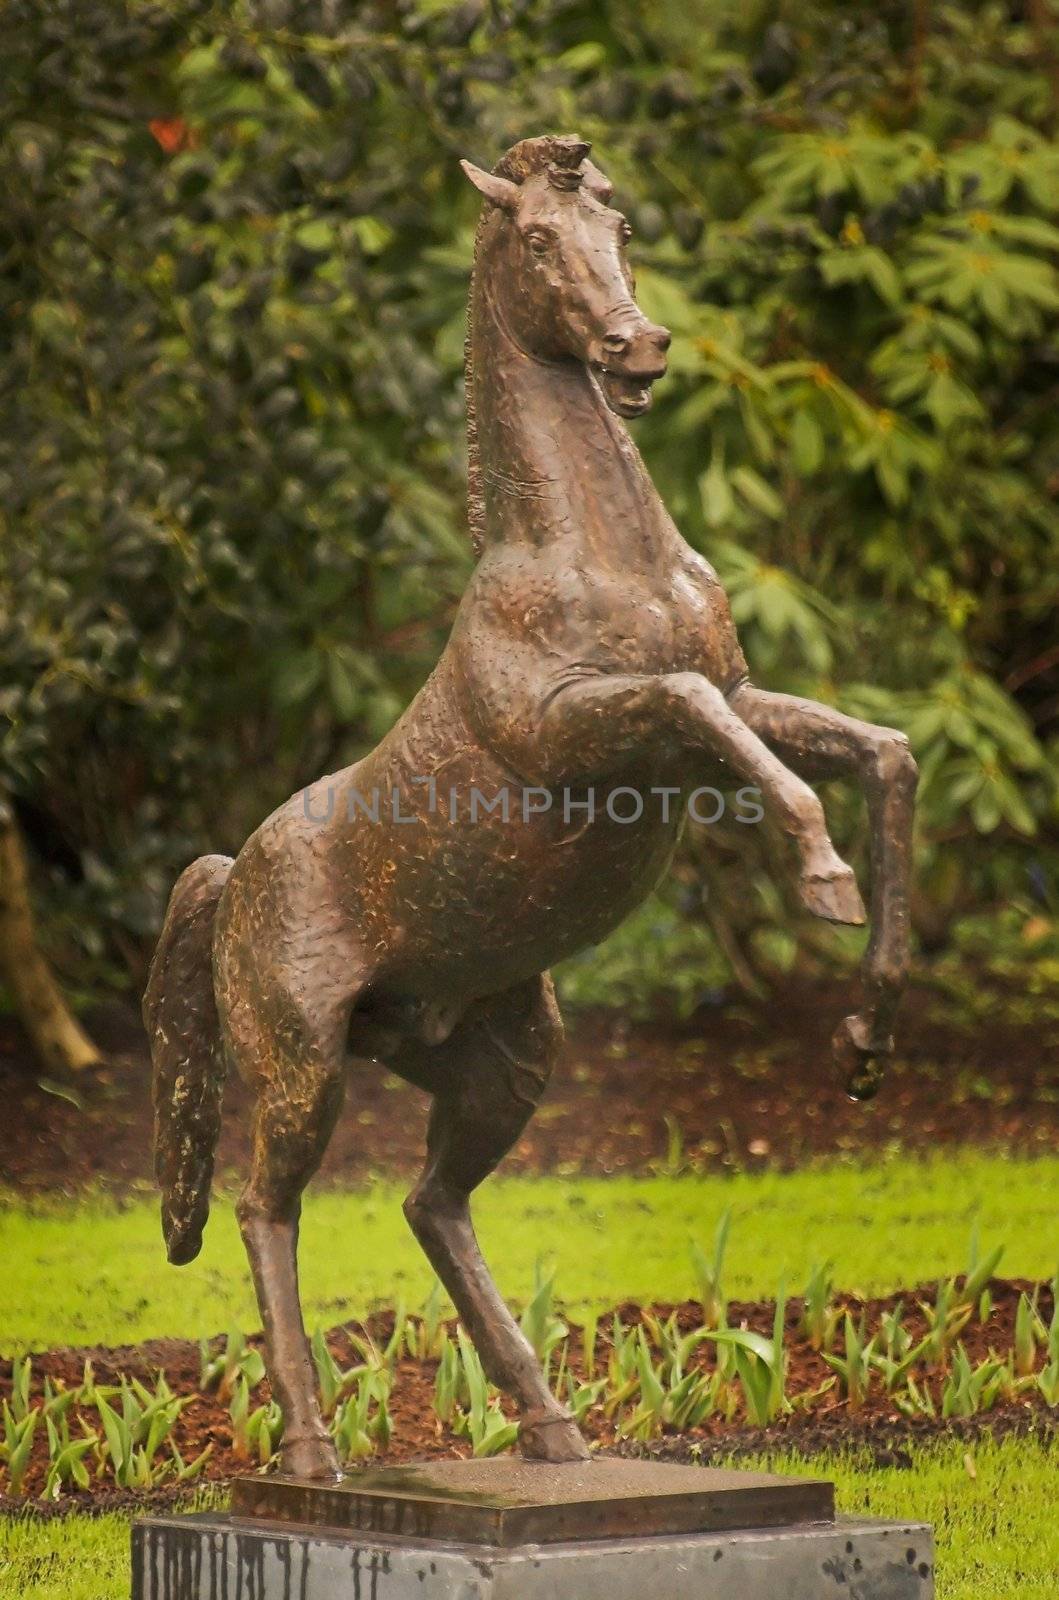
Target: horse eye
[(538, 243)]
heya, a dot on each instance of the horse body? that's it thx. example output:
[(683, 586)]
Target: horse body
[(406, 910), (450, 874)]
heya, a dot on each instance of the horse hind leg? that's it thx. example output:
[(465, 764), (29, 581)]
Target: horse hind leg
[(491, 1072), (292, 1048)]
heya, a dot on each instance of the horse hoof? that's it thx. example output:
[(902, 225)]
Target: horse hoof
[(314, 1460), (859, 1059), (836, 897), (552, 1438)]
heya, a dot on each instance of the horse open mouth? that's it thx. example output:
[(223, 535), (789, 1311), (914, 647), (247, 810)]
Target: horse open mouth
[(629, 394)]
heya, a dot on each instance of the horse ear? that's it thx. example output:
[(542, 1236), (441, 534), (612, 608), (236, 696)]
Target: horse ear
[(597, 183), (501, 191)]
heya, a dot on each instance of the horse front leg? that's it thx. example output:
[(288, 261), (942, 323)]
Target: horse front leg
[(824, 743), (591, 726)]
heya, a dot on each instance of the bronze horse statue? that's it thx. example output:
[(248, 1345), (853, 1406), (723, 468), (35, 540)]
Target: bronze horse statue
[(593, 645)]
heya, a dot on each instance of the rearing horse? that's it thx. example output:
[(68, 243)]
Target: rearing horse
[(593, 646)]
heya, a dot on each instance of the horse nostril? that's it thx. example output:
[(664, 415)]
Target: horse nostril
[(662, 338), (615, 344)]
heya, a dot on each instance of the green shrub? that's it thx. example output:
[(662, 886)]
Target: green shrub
[(231, 469)]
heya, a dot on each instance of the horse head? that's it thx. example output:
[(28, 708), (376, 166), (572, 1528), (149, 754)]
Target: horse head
[(557, 250)]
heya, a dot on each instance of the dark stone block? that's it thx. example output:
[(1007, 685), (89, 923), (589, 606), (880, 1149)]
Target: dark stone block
[(207, 1557)]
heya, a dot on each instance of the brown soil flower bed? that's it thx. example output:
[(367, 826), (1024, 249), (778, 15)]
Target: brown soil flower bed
[(747, 1084), (877, 1426)]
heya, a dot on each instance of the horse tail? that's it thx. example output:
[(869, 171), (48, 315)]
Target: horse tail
[(180, 1015)]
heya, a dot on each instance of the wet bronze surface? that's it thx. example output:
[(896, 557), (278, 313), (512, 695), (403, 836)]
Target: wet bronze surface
[(593, 650), (505, 1502)]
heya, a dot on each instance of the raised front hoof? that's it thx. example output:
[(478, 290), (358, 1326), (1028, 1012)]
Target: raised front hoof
[(312, 1459), (554, 1437), (860, 1059), (834, 897)]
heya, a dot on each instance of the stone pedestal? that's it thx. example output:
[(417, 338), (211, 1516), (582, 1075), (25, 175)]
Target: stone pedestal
[(509, 1530)]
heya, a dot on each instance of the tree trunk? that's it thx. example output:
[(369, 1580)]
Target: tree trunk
[(60, 1043)]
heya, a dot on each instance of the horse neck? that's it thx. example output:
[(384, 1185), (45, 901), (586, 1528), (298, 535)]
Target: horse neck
[(548, 460)]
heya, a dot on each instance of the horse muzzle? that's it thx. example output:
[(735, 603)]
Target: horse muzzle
[(627, 362)]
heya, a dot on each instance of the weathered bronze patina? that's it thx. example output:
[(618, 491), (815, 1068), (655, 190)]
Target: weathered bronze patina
[(505, 1502), (593, 649)]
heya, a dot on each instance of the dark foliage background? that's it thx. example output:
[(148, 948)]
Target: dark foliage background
[(233, 264)]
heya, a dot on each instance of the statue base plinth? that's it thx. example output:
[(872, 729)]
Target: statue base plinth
[(512, 1530), (506, 1501)]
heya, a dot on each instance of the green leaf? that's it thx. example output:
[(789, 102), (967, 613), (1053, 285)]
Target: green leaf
[(863, 264), (344, 686), (807, 443), (755, 1344), (717, 501), (296, 676), (372, 234), (587, 56), (316, 235), (756, 492)]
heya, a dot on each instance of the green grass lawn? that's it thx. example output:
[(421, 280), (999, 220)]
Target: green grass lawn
[(94, 1272), (997, 1534)]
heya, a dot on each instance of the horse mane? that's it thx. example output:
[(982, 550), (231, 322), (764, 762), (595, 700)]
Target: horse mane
[(524, 160)]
